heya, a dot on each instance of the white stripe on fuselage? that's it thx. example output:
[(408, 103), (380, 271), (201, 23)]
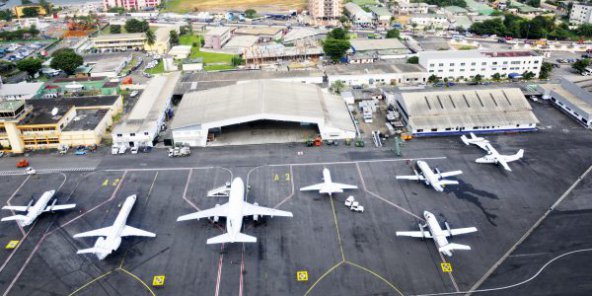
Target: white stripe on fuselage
[(436, 231)]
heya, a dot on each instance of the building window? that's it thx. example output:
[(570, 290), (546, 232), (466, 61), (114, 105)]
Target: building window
[(419, 130), (451, 64), (434, 130), (473, 64), (132, 134), (119, 135), (145, 133), (441, 64), (462, 64), (431, 65), (484, 64)]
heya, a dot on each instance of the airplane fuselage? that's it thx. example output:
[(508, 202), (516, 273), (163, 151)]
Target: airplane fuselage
[(113, 240), (38, 208), (438, 234), (431, 179), (234, 221)]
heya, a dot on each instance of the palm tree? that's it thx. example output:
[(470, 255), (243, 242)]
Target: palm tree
[(150, 38)]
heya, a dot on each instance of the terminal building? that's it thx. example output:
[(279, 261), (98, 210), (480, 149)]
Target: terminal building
[(261, 111), (441, 112), (572, 98), (145, 121)]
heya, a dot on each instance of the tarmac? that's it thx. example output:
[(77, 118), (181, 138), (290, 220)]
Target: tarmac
[(340, 252)]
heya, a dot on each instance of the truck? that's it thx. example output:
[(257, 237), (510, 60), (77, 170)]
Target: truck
[(179, 151)]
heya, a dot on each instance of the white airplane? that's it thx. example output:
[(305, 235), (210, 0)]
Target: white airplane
[(438, 234), (328, 186), (110, 237), (34, 210), (492, 155), (431, 178), (234, 211)]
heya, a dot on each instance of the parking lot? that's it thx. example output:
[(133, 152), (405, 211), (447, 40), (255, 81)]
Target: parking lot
[(342, 252)]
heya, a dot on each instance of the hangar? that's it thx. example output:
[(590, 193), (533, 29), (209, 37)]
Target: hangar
[(201, 114), (462, 111)]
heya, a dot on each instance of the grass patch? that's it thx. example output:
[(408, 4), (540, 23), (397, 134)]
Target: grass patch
[(218, 67), (159, 68), (208, 57), (107, 30), (364, 2)]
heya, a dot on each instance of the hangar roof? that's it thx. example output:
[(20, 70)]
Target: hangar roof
[(296, 102), (481, 107)]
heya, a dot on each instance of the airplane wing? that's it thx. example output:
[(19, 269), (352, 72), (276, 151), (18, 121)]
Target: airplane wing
[(344, 186), (504, 164), (450, 174), (315, 187), (59, 207), (251, 209), (16, 208), (418, 234), (97, 232), (221, 211), (448, 182), (132, 231), (459, 231), (510, 158), (410, 177)]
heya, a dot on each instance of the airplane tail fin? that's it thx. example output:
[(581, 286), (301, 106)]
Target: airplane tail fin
[(15, 217), (227, 238), (447, 249), (520, 153)]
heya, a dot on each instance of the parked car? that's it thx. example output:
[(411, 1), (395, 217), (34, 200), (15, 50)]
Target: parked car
[(80, 152), (134, 150), (134, 94)]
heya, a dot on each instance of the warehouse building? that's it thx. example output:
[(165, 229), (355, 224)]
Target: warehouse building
[(574, 98), (376, 74), (271, 103), (145, 121), (456, 112)]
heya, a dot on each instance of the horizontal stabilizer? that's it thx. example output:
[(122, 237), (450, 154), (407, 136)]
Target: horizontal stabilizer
[(450, 174), (315, 187), (410, 177), (448, 182), (459, 231), (344, 186), (447, 249), (418, 234), (227, 238), (132, 231), (94, 250), (15, 217), (97, 232), (16, 208)]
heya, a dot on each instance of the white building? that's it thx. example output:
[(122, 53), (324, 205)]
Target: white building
[(256, 101), (19, 91), (358, 15), (325, 8), (441, 112), (147, 117), (572, 99), (411, 8), (464, 64), (130, 4), (580, 14), (423, 20), (376, 74)]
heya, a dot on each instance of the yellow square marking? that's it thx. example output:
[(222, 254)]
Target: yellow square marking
[(446, 267), (12, 244), (302, 276), (158, 280), (106, 182)]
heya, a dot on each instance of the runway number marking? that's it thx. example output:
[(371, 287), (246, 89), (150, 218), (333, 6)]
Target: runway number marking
[(115, 182), (158, 280), (106, 182), (446, 267), (12, 244), (302, 276)]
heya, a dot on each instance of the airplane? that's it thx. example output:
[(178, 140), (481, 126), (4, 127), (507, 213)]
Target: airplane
[(235, 209), (328, 186), (492, 155), (110, 237), (35, 210), (438, 234), (432, 178)]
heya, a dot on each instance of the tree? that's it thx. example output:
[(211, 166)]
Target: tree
[(150, 38), (546, 69), (581, 65), (115, 29), (29, 65), (488, 27), (47, 6), (413, 60), (237, 61), (26, 2), (31, 11), (392, 33), (496, 77), (343, 19), (443, 3), (478, 78), (66, 59), (136, 26), (6, 15), (337, 86), (335, 48), (250, 13), (584, 30), (119, 10), (527, 75), (173, 37), (433, 78), (337, 33)]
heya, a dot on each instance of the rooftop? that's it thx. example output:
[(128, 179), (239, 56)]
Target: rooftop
[(574, 92), (126, 36), (481, 8), (376, 68), (380, 11), (10, 106), (217, 30), (20, 89), (258, 31), (86, 119), (458, 54), (376, 44)]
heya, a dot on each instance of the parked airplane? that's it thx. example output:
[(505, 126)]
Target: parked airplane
[(431, 178), (492, 155), (235, 209), (328, 186), (438, 234), (34, 210), (110, 237)]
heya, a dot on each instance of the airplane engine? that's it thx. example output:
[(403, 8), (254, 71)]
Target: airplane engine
[(216, 218), (256, 217)]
